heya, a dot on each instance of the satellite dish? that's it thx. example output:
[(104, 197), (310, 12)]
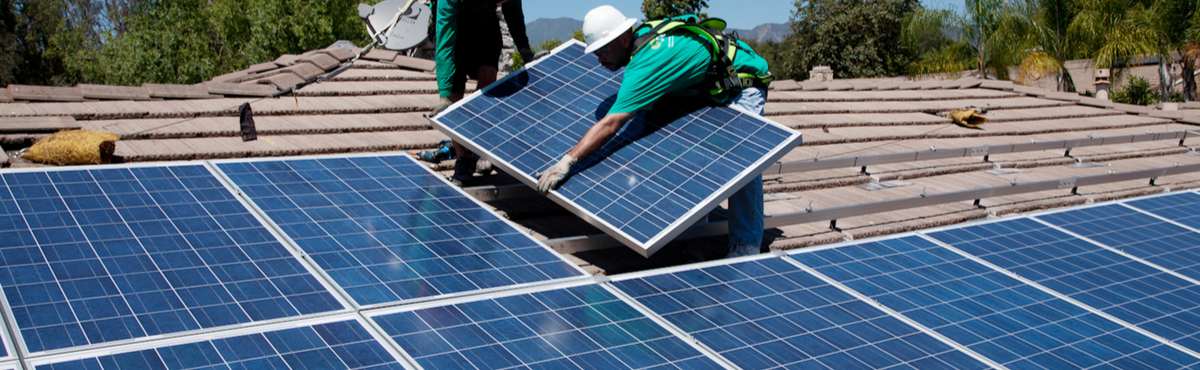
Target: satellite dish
[(412, 27)]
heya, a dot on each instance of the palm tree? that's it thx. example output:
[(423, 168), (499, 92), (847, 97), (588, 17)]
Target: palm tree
[(1049, 43), (1117, 30)]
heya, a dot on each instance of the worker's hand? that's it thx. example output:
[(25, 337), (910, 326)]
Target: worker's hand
[(554, 176), (443, 103), (527, 55)]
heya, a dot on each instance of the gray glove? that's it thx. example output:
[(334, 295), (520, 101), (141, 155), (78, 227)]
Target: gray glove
[(554, 176)]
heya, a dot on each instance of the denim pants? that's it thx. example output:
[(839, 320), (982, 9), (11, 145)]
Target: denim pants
[(746, 205)]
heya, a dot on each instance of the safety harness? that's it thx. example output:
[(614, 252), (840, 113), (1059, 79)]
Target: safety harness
[(721, 76)]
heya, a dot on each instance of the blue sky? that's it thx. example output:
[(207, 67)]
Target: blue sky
[(737, 12)]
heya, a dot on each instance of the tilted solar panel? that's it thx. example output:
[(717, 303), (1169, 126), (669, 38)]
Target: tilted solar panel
[(342, 344), (771, 314), (575, 327), (1135, 233), (997, 316), (1129, 290), (658, 176), (386, 229), (111, 254)]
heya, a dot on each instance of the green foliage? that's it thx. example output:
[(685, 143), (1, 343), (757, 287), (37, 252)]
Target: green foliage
[(517, 62), (856, 38), (578, 35), (549, 44), (656, 9), (1137, 91), (927, 34), (172, 41)]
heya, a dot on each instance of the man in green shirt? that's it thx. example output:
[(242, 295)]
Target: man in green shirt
[(468, 43), (670, 63)]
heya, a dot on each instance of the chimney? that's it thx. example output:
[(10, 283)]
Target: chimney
[(821, 73), (1102, 84)]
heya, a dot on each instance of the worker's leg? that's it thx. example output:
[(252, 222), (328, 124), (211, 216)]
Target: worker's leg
[(746, 205), (465, 165)]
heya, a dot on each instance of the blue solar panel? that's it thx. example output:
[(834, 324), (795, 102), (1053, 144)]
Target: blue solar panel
[(1135, 233), (1129, 290), (386, 229), (336, 345), (1014, 324), (653, 180), (579, 327), (101, 255), (1183, 208), (770, 313)]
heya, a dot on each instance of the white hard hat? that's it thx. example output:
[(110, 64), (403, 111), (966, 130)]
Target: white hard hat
[(604, 24)]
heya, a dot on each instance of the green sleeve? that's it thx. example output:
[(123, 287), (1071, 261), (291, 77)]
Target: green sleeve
[(669, 64), (446, 32)]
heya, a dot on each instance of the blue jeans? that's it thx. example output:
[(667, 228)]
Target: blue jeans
[(746, 205)]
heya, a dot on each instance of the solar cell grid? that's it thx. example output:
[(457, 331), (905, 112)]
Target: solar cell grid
[(771, 314), (335, 345), (1135, 233), (386, 229), (579, 327), (1001, 318), (1129, 290), (1183, 208), (102, 255), (657, 176)]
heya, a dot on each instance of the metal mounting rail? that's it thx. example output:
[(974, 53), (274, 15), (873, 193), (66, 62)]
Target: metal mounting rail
[(599, 241), (497, 192)]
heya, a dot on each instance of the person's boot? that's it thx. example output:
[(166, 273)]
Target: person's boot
[(464, 168)]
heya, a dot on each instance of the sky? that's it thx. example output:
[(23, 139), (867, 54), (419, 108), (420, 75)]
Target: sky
[(737, 12)]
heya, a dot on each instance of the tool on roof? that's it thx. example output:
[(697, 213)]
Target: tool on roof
[(969, 117)]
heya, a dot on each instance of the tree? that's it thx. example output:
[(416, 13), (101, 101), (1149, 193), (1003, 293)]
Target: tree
[(656, 9), (855, 38), (1172, 19), (549, 44), (1115, 30), (928, 35)]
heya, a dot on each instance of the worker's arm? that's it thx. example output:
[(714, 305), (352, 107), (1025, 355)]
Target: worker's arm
[(446, 33), (596, 136), (514, 16), (599, 134)]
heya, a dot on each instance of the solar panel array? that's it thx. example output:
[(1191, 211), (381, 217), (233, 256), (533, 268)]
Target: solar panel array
[(262, 264), (103, 255), (654, 179), (386, 230), (575, 327)]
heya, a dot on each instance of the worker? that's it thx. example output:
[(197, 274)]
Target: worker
[(676, 61), (468, 40)]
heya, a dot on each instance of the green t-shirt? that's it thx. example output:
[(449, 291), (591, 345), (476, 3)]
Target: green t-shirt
[(674, 63)]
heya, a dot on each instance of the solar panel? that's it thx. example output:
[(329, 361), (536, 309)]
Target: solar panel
[(386, 229), (1001, 318), (576, 327), (771, 314), (345, 344), (1183, 208), (1129, 290), (1135, 233), (657, 177), (109, 254)]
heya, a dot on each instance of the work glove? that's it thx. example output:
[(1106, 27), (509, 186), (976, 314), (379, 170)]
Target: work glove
[(554, 176), (443, 103), (527, 55)]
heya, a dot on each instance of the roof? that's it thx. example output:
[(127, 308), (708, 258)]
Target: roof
[(378, 105)]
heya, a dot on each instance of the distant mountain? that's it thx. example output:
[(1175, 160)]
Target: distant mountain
[(544, 29), (562, 29), (767, 32)]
